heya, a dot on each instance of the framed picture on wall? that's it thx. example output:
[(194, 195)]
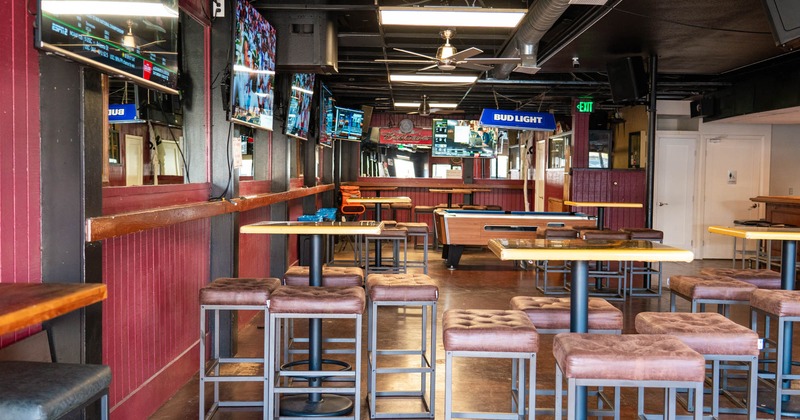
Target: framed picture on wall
[(637, 149)]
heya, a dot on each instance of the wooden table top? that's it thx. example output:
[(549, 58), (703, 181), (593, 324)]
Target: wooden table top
[(381, 200), (582, 250), (26, 304), (458, 190), (378, 188), (755, 232), (603, 204), (310, 228)]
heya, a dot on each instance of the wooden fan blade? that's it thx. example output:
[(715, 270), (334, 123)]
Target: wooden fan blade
[(493, 60), (465, 54), (417, 54), (381, 60), (473, 66)]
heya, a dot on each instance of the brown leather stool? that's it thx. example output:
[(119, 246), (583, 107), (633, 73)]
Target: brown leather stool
[(418, 230), (403, 291), (630, 360), (761, 278), (309, 302), (602, 271), (723, 291), (551, 315), (542, 269), (718, 339), (505, 334), (396, 235), (646, 269), (231, 294)]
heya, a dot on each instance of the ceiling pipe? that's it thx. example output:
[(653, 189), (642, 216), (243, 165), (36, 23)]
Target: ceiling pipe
[(539, 19)]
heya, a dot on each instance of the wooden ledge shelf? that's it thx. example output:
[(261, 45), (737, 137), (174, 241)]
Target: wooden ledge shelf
[(111, 226)]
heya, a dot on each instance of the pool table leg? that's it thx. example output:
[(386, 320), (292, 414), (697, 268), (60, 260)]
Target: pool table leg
[(452, 255)]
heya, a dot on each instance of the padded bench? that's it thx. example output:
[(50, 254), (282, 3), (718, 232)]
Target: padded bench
[(37, 390), (761, 278)]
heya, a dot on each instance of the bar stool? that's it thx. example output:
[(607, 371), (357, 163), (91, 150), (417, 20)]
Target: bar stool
[(601, 271), (763, 279), (723, 291), (398, 236), (425, 210), (490, 333), (718, 339), (784, 305), (309, 302), (628, 360), (551, 315), (418, 230), (403, 291), (646, 270), (542, 269), (231, 294), (331, 277)]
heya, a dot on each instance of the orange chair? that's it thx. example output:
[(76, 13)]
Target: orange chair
[(348, 209)]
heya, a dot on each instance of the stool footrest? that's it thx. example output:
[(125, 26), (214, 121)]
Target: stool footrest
[(234, 378), (240, 404)]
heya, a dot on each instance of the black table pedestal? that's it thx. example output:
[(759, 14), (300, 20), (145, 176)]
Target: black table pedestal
[(579, 319)]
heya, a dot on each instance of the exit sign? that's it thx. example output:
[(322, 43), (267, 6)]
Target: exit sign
[(585, 106)]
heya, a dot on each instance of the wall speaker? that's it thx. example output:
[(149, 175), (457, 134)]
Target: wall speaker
[(784, 18), (627, 78)]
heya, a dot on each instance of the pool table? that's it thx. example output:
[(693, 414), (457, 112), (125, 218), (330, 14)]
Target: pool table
[(458, 228)]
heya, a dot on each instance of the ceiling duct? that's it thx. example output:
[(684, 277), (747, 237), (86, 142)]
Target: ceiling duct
[(540, 18)]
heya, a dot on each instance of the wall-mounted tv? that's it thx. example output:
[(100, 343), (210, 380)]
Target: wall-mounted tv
[(138, 43), (465, 138), (327, 116), (298, 117), (349, 123), (253, 78)]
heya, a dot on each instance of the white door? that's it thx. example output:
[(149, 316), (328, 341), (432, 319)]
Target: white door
[(169, 156), (134, 160), (673, 204), (538, 174), (733, 171)]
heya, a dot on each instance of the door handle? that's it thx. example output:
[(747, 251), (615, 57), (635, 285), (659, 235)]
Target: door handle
[(660, 204)]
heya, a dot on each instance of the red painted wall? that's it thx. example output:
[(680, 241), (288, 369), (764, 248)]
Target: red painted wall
[(20, 215), (627, 186)]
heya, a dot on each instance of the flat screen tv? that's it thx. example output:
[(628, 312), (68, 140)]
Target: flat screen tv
[(298, 118), (327, 116), (253, 78), (465, 138), (138, 43), (349, 123)]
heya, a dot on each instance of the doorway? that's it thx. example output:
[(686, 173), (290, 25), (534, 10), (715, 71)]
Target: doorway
[(134, 160), (674, 189), (538, 174)]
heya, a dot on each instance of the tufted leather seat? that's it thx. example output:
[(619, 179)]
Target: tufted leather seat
[(553, 313), (777, 302), (331, 276), (489, 330), (644, 233), (391, 233), (634, 357), (35, 390), (414, 227), (606, 235), (761, 278), (705, 332), (317, 300), (238, 291), (402, 287), (708, 287), (559, 233)]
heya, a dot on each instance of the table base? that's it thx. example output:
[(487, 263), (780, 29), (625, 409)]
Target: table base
[(330, 405), (766, 404)]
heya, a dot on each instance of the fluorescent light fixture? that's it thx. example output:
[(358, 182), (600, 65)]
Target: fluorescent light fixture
[(249, 70), (406, 104), (441, 105), (303, 90), (451, 16), (431, 78), (589, 2), (113, 8)]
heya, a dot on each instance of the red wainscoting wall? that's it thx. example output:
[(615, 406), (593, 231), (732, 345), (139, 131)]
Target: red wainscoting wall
[(150, 319), (626, 186), (20, 214)]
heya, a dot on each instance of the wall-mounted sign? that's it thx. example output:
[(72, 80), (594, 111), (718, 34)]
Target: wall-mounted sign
[(585, 106), (122, 113), (518, 120), (419, 136)]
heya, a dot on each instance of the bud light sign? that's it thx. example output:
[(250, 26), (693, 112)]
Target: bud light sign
[(121, 113), (518, 120)]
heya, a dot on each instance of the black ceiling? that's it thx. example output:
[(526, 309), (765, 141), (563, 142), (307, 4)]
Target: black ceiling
[(699, 45)]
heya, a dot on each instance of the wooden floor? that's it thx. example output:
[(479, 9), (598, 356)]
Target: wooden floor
[(481, 281)]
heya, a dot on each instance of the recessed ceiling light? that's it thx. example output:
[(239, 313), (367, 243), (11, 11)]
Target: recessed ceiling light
[(431, 78), (451, 16)]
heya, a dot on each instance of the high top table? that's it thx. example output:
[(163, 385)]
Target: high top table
[(26, 304), (580, 252), (314, 405), (451, 191), (601, 208), (788, 238), (377, 189), (379, 202)]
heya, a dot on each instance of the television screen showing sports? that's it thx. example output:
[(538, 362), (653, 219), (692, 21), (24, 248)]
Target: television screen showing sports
[(349, 123), (253, 77), (299, 115), (140, 44), (327, 116), (465, 138)]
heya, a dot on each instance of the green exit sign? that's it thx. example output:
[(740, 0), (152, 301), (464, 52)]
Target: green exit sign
[(585, 106)]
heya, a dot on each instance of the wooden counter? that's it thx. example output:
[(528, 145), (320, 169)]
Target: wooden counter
[(781, 209), (26, 304)]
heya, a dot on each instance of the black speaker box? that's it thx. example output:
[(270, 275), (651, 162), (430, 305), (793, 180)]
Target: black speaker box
[(627, 78), (784, 18)]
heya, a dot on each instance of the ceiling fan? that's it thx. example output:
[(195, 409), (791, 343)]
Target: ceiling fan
[(425, 109), (449, 58)]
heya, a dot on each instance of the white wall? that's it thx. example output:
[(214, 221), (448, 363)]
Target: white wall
[(784, 176)]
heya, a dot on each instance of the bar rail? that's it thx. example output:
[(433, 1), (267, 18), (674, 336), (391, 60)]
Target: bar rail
[(110, 226)]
